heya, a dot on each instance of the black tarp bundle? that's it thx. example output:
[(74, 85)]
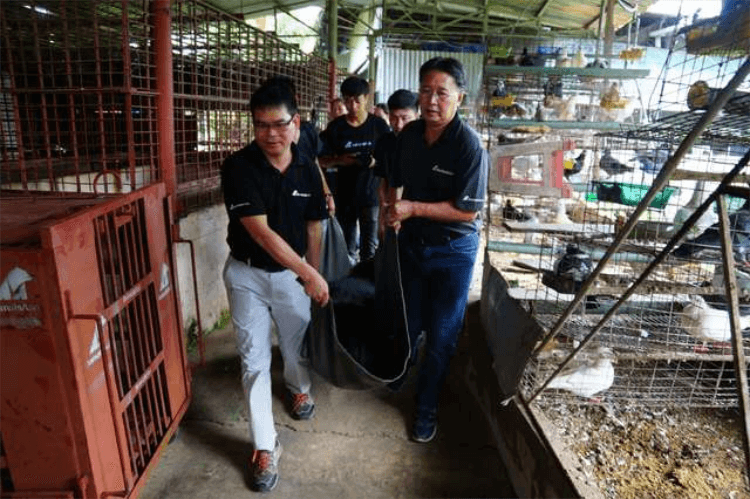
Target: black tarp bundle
[(360, 339)]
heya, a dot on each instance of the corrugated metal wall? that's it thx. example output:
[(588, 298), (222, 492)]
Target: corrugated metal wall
[(398, 68)]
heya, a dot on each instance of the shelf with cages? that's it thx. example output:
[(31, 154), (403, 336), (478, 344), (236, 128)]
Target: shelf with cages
[(560, 97), (647, 299)]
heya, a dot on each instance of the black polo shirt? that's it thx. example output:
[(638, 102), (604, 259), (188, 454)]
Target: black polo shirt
[(455, 167), (385, 150), (356, 185), (309, 143), (251, 186)]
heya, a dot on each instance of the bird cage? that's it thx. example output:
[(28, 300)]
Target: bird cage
[(632, 294)]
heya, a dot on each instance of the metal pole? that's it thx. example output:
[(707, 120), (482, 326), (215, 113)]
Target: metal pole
[(162, 16), (333, 46), (734, 314)]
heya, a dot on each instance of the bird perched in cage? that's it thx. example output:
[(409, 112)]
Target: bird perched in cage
[(510, 212), (579, 59), (588, 374), (553, 86), (706, 323), (710, 239), (562, 60), (515, 110), (561, 215), (683, 213), (562, 109), (499, 89), (741, 277), (576, 165), (611, 165), (653, 161)]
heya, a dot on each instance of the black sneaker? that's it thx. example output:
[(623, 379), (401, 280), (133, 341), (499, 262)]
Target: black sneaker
[(424, 430), (264, 468), (301, 405)]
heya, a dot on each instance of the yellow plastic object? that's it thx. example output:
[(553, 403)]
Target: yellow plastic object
[(506, 101)]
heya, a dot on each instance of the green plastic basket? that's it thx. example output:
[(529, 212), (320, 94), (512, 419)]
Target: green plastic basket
[(627, 194)]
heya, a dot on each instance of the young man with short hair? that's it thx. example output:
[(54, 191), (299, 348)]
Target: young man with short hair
[(404, 109), (349, 142)]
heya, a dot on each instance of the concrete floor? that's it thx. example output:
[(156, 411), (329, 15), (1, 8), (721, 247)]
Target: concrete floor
[(356, 446)]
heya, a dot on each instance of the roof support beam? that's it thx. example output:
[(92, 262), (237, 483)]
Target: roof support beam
[(541, 10)]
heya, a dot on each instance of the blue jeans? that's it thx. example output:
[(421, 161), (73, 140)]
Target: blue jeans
[(348, 216), (436, 282)]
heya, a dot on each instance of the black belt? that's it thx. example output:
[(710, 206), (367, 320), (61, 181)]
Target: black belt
[(428, 239), (247, 261)]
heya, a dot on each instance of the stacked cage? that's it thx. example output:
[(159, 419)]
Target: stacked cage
[(629, 288), (77, 96)]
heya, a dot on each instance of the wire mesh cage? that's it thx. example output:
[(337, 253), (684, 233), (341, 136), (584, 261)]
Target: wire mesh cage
[(78, 94), (652, 324), (219, 60), (77, 88)]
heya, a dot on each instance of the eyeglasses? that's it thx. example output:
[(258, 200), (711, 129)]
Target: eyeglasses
[(442, 95), (278, 126)]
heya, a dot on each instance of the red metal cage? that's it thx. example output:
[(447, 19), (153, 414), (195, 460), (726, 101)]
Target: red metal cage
[(94, 373)]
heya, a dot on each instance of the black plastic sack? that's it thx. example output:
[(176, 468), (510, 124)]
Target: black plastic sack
[(362, 341), (334, 257)]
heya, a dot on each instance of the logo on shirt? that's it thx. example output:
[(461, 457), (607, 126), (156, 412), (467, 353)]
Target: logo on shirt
[(467, 198), (235, 206), (298, 194), (351, 145), (437, 169)]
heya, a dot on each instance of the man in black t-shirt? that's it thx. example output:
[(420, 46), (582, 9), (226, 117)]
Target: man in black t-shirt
[(274, 199), (348, 144), (404, 109)]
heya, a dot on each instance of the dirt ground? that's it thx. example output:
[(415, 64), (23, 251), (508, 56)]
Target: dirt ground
[(638, 453)]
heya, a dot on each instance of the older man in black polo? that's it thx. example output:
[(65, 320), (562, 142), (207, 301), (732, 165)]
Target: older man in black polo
[(274, 198), (442, 168)]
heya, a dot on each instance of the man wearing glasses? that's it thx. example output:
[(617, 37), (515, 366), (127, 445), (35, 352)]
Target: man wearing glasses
[(348, 145), (442, 168), (275, 202)]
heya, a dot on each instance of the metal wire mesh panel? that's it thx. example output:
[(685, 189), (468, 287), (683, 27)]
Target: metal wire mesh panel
[(78, 112), (670, 342), (219, 60)]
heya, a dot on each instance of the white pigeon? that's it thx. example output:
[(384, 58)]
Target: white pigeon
[(707, 323), (561, 214), (683, 213), (588, 375)]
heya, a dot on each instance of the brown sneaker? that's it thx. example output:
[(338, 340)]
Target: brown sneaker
[(264, 468)]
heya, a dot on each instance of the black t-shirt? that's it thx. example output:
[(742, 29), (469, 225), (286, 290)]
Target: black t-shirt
[(453, 168), (309, 143), (385, 150), (251, 186), (356, 185)]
